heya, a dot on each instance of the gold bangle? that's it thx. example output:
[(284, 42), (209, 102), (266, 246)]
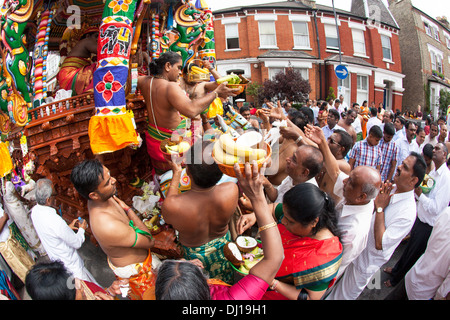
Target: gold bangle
[(267, 226)]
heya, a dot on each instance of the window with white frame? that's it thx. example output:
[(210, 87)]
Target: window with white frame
[(345, 89), (436, 33), (301, 34), (436, 62), (274, 71), (331, 37), (359, 45), (303, 72), (232, 36), (267, 34), (447, 41), (386, 46), (362, 88), (427, 29)]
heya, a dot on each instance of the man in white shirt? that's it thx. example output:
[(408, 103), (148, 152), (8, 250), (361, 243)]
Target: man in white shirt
[(420, 138), (357, 123), (429, 207), (393, 219), (59, 239), (332, 123), (399, 123), (406, 144), (433, 136), (344, 105), (373, 120), (429, 278), (357, 192), (338, 106)]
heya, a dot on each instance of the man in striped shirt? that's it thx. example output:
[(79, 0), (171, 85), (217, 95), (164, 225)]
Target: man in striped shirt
[(389, 153), (367, 152)]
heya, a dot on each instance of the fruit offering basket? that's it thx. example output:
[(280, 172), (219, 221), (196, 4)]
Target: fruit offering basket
[(227, 152), (169, 147)]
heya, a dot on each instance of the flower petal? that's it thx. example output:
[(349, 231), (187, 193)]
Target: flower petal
[(107, 95), (108, 77), (100, 87), (116, 86)]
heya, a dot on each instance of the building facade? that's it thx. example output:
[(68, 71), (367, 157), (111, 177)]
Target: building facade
[(262, 40), (425, 47)]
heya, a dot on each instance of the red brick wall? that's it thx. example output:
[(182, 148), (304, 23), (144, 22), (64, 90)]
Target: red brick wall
[(249, 45)]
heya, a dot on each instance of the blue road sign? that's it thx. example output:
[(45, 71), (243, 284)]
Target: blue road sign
[(341, 71)]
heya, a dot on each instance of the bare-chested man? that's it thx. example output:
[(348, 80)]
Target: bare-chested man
[(119, 231), (197, 90), (166, 104), (202, 214), (347, 123)]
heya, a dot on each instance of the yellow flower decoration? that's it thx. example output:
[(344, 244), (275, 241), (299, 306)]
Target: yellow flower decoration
[(119, 5)]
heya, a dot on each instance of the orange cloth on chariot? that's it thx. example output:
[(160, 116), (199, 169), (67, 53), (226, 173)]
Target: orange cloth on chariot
[(107, 133)]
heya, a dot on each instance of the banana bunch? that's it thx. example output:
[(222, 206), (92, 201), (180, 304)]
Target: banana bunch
[(198, 70), (230, 79), (228, 152)]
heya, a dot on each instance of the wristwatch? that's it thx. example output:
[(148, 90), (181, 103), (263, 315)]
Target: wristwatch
[(379, 209)]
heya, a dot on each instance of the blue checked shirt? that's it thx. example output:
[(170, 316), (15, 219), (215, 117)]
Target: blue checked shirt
[(366, 155), (389, 153)]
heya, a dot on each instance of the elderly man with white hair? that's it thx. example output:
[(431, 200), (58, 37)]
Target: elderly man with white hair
[(59, 239)]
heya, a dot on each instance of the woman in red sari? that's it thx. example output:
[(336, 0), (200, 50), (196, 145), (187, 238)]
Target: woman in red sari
[(312, 250)]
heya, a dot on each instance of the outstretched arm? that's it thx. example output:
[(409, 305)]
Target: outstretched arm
[(316, 135), (192, 108), (251, 185)]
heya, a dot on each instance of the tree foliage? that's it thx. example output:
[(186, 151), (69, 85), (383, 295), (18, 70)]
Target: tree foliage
[(444, 100), (287, 85)]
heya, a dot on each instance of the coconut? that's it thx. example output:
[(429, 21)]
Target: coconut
[(246, 244), (249, 139), (232, 253)]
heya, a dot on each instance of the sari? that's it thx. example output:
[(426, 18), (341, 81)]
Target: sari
[(141, 278), (308, 263), (76, 74), (249, 287), (213, 259)]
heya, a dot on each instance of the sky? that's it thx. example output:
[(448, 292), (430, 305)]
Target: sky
[(433, 8)]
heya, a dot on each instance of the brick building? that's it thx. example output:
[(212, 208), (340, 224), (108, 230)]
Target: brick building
[(262, 40), (427, 70)]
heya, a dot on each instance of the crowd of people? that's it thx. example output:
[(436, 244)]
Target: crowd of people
[(348, 189)]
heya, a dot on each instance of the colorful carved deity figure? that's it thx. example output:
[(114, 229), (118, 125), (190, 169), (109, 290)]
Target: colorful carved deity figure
[(207, 47), (190, 28), (14, 18)]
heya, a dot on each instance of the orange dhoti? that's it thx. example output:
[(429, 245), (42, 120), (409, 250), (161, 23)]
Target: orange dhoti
[(141, 278), (76, 74)]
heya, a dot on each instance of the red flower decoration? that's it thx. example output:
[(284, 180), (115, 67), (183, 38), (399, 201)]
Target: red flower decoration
[(108, 86)]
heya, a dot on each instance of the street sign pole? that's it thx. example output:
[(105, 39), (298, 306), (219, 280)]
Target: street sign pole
[(337, 30)]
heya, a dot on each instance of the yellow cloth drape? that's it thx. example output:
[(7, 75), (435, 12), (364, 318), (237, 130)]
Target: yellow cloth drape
[(6, 164), (106, 133)]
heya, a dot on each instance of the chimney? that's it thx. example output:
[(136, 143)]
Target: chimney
[(443, 20), (309, 3)]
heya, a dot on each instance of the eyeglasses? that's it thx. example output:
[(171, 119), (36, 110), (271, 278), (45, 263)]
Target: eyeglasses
[(334, 141)]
